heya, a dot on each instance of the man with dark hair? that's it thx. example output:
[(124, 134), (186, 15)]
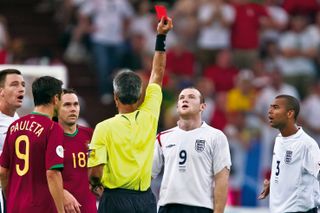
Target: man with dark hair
[(294, 183), (77, 196), (121, 150), (127, 87), (12, 90), (32, 155)]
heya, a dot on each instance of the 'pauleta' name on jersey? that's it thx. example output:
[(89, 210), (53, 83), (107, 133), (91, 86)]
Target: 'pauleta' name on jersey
[(33, 126)]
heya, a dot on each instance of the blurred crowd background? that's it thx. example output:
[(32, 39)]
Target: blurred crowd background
[(239, 53)]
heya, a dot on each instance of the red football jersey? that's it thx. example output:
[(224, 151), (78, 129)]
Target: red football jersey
[(33, 145), (75, 172)]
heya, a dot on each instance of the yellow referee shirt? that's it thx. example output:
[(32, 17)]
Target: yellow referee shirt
[(125, 144)]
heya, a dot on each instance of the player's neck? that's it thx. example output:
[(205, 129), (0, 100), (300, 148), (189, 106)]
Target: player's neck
[(289, 130), (69, 129), (127, 108), (45, 109), (189, 124), (9, 111)]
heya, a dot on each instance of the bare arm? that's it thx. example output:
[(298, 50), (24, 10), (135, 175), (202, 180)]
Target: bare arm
[(158, 67), (159, 59), (266, 190), (221, 190), (55, 183), (4, 173), (95, 175)]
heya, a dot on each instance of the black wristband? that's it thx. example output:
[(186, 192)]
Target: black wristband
[(95, 182), (161, 42)]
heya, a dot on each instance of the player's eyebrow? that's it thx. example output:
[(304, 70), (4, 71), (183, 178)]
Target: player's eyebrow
[(13, 83), (66, 103), (192, 95), (71, 103)]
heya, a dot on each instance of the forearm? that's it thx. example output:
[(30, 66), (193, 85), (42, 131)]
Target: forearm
[(95, 174), (159, 59), (95, 184), (221, 190), (158, 67), (220, 198), (4, 180), (55, 183)]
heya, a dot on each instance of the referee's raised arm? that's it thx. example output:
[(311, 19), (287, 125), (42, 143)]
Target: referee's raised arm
[(159, 59)]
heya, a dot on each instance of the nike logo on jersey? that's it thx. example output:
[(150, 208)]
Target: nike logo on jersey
[(170, 145)]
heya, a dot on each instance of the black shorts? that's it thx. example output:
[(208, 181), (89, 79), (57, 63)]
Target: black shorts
[(179, 208), (2, 203), (127, 201), (314, 210)]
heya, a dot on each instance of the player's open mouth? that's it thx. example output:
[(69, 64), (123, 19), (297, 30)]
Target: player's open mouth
[(184, 106), (20, 97)]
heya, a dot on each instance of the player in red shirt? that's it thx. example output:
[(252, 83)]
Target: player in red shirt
[(32, 156), (77, 196), (245, 31), (222, 74)]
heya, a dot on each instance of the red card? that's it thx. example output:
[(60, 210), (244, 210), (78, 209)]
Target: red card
[(161, 11)]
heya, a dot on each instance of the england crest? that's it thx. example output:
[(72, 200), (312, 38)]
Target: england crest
[(288, 157), (200, 145)]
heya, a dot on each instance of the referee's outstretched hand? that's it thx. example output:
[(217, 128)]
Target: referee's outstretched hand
[(266, 190), (165, 25)]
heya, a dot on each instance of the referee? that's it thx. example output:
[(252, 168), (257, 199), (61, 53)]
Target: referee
[(121, 150)]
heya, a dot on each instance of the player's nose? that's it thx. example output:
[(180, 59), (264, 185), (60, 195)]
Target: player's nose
[(22, 89)]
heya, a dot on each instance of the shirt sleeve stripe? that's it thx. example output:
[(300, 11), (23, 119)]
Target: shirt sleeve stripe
[(56, 167)]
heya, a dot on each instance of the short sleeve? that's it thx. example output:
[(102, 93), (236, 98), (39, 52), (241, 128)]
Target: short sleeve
[(221, 153), (229, 13), (5, 155), (54, 151), (312, 160), (152, 100), (205, 12), (98, 146), (157, 159)]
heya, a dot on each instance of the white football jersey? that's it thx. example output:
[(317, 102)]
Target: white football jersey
[(5, 122), (190, 160), (295, 167)]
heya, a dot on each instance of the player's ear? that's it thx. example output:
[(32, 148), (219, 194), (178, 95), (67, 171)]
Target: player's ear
[(203, 106), (116, 99), (290, 113), (1, 91), (56, 99)]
